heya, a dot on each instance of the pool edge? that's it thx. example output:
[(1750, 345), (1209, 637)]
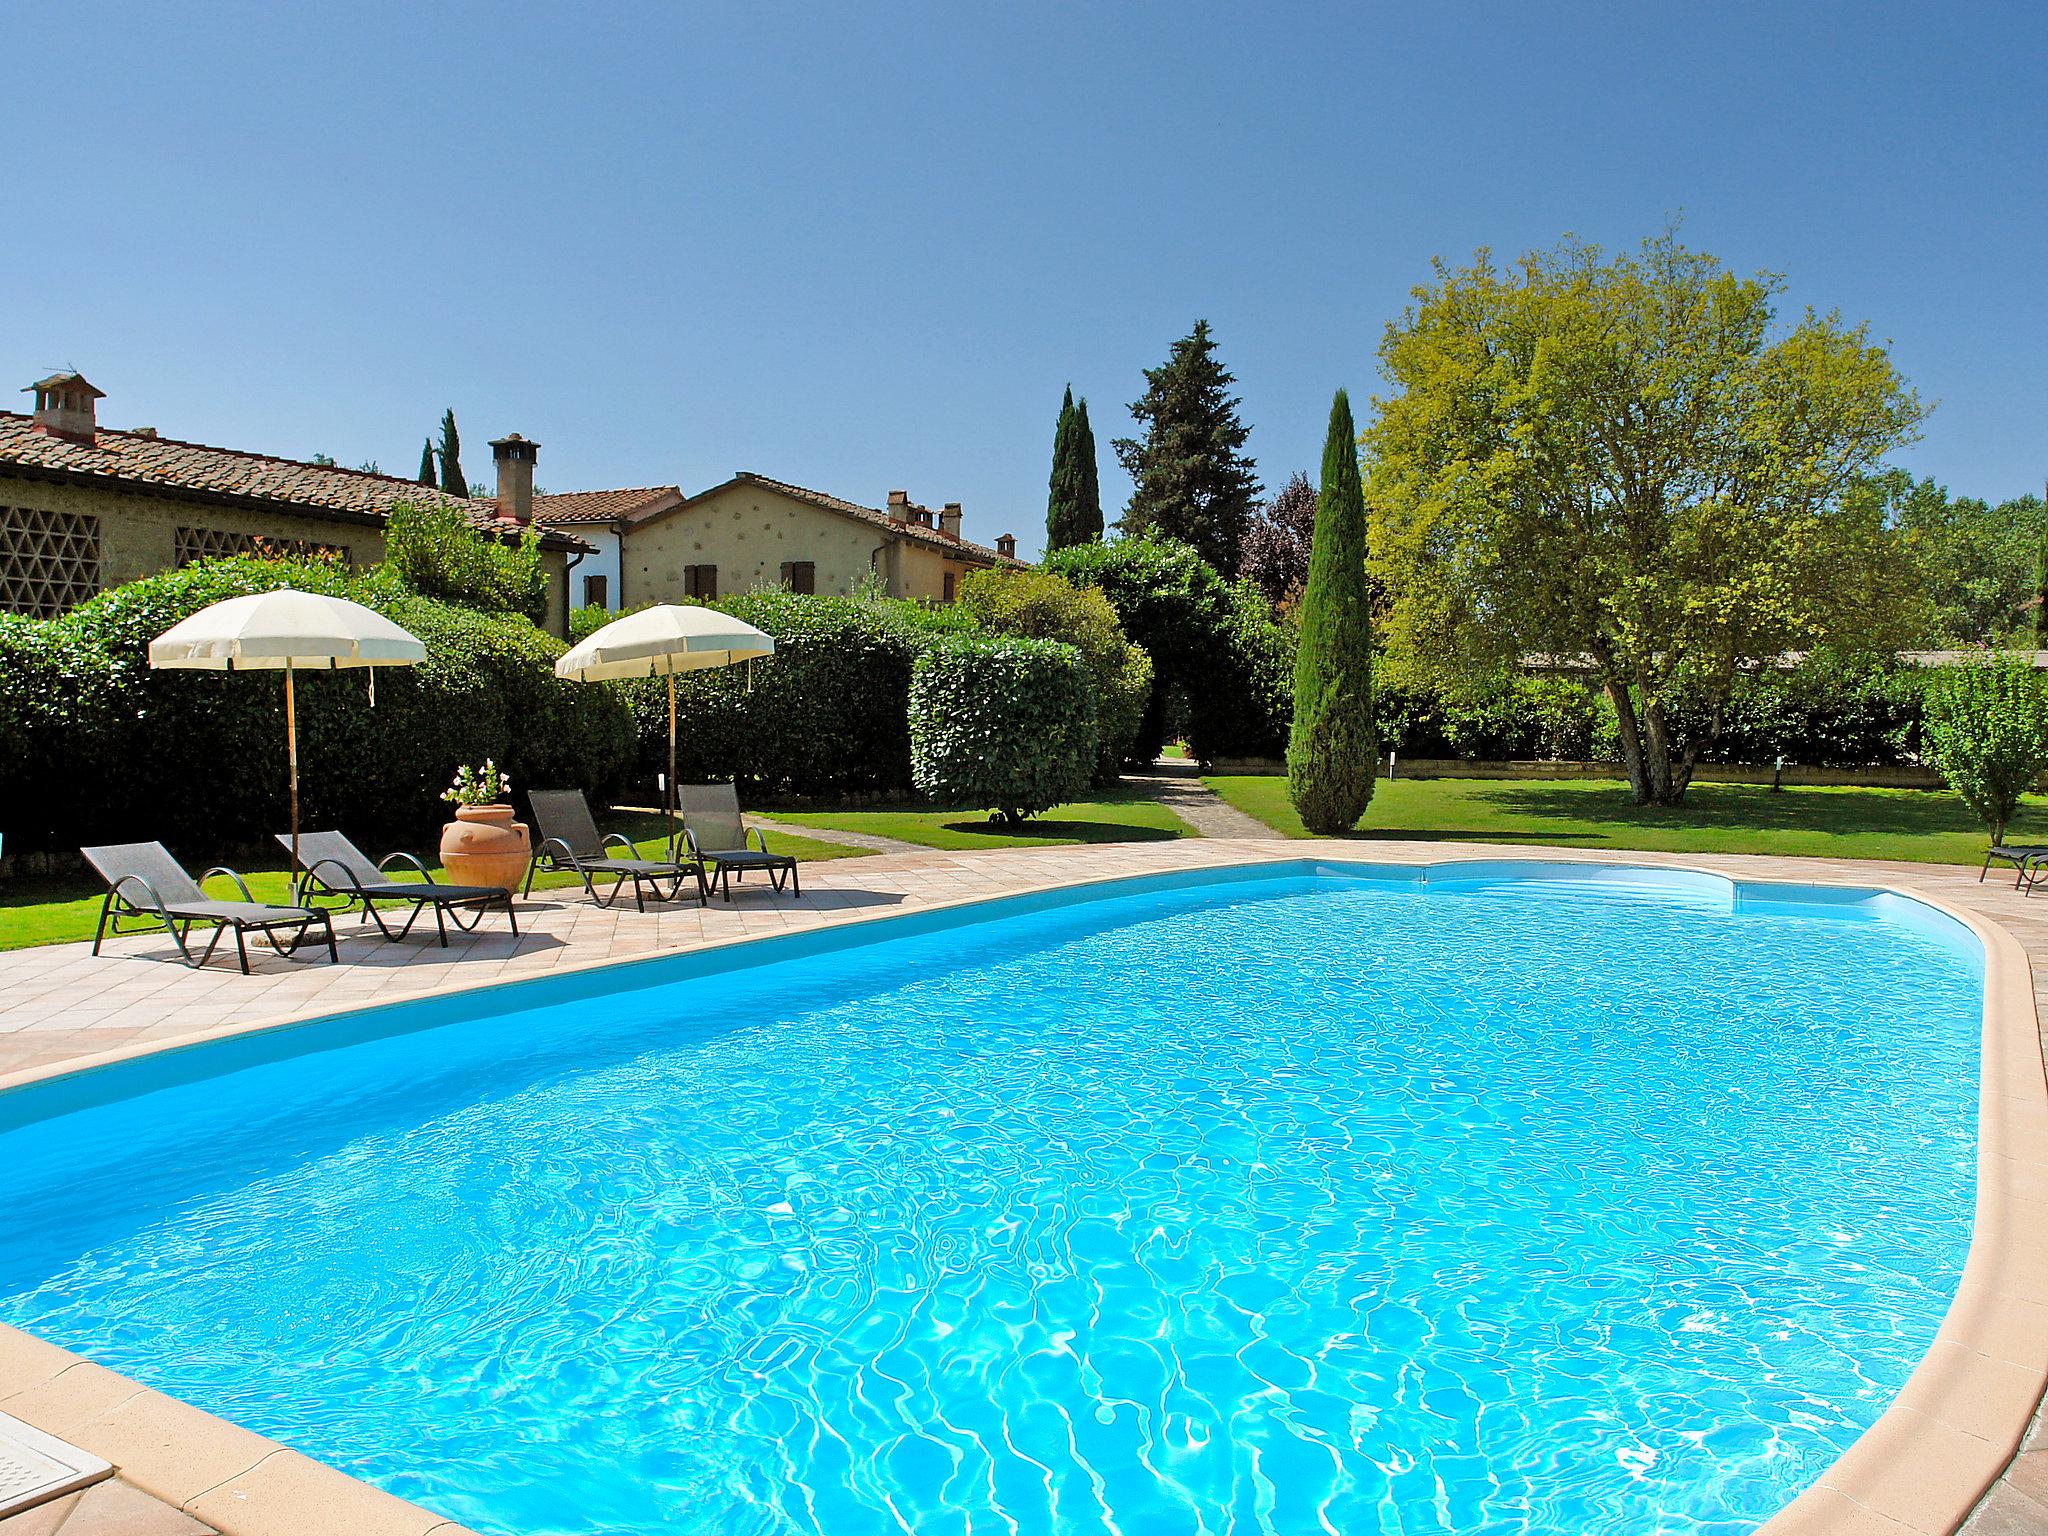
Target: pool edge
[(1921, 1468)]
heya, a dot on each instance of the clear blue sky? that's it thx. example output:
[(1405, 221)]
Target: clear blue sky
[(864, 246)]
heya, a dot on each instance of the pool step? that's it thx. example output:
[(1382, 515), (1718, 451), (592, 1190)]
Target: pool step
[(36, 1468)]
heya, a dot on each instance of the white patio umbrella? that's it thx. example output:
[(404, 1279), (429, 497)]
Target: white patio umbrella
[(286, 631), (660, 642)]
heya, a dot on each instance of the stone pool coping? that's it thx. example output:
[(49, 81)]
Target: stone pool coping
[(1921, 1468)]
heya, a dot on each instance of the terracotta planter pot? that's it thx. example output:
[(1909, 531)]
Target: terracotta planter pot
[(483, 845)]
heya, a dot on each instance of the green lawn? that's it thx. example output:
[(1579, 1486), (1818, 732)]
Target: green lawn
[(1925, 826), (50, 911), (1119, 817)]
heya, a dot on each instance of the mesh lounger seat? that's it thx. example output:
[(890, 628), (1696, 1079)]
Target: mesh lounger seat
[(718, 837), (2029, 864), (144, 881), (331, 865), (570, 840)]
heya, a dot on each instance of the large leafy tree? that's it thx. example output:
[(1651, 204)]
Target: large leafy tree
[(1629, 465), (1332, 752), (1277, 544), (452, 480), (1980, 562), (1191, 479), (1073, 505)]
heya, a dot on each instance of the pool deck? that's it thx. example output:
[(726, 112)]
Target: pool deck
[(1950, 1445)]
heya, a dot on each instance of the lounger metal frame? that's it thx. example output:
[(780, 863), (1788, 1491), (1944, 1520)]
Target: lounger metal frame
[(330, 875), (132, 895)]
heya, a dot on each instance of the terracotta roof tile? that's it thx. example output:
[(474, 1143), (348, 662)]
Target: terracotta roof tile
[(915, 531), (145, 462), (604, 506)]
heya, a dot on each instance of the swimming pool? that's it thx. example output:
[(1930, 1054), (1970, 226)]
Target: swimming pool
[(1484, 1198)]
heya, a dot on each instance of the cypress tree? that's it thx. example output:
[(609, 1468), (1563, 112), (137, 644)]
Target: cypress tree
[(1088, 520), (451, 456), (1191, 480), (427, 476), (1332, 754), (1063, 490), (2041, 584)]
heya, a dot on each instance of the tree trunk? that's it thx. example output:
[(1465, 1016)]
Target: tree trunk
[(1654, 778)]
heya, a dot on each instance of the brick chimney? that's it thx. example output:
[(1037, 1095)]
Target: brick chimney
[(899, 506), (949, 519), (64, 406), (515, 456), (1006, 545)]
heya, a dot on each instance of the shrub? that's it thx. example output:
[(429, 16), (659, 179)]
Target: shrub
[(198, 758), (1987, 736), (1245, 710), (1331, 748), (1002, 724), (438, 553), (1043, 605), (825, 716)]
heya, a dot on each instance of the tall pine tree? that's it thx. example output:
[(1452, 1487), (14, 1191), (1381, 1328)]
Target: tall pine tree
[(1332, 753), (1191, 478), (1073, 503), (427, 476), (451, 456)]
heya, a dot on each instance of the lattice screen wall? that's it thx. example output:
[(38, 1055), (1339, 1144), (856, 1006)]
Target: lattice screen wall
[(207, 543), (49, 561)]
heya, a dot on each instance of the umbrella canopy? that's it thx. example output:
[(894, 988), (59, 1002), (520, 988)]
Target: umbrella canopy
[(660, 642), (664, 639), (285, 630)]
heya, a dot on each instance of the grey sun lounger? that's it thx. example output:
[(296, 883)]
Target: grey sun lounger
[(717, 837), (2029, 864), (144, 881), (331, 865), (570, 840)]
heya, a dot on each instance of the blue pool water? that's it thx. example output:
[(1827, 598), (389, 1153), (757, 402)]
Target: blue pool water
[(1291, 1203)]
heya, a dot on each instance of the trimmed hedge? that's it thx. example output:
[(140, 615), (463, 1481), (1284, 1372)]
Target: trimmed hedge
[(1002, 724), (197, 759)]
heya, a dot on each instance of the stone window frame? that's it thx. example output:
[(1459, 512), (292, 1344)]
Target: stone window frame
[(195, 543), (50, 562)]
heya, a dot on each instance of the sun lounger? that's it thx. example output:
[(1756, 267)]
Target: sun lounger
[(570, 840), (144, 881), (2028, 863), (331, 865), (718, 837)]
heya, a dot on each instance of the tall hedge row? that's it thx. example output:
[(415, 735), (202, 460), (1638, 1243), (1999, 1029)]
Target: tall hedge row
[(116, 751), (1002, 724)]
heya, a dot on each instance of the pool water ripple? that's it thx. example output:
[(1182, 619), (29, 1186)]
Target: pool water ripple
[(1295, 1205)]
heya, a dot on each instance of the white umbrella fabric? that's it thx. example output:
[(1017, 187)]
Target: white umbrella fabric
[(660, 642), (290, 632)]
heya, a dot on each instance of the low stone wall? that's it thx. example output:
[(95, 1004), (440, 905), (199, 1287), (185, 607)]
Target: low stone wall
[(1707, 773)]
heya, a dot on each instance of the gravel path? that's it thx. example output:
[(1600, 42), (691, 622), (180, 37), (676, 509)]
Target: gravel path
[(1178, 787)]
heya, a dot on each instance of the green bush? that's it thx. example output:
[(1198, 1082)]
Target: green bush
[(197, 759), (1247, 710), (1987, 736), (1043, 605), (438, 553), (1002, 724)]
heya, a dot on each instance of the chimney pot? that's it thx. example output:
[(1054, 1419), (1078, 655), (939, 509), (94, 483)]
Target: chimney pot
[(64, 406), (899, 506), (515, 457), (949, 520), (1006, 545)]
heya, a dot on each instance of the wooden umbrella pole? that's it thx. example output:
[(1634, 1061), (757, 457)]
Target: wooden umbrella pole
[(674, 796), (291, 736)]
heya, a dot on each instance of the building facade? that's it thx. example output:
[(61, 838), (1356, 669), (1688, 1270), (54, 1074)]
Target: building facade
[(84, 507), (755, 532)]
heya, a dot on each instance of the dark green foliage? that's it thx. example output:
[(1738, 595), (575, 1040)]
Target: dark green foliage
[(825, 716), (1980, 564), (452, 480), (1246, 710), (1331, 749), (1002, 724), (1044, 605), (435, 551), (1088, 520), (197, 759), (1191, 480), (1073, 503), (1987, 736), (426, 475)]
